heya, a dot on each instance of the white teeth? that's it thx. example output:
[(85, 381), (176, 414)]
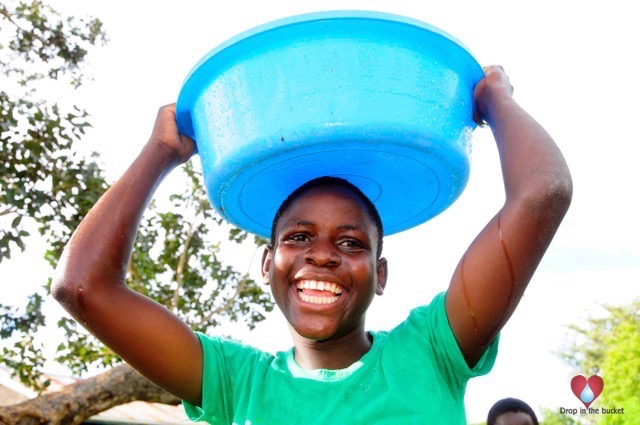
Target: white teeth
[(317, 300), (320, 286)]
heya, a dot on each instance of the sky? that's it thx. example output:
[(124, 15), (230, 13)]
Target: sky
[(573, 68)]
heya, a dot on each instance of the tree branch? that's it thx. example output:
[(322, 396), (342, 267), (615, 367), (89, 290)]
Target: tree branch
[(228, 303), (4, 12), (8, 211), (183, 260), (83, 399), (239, 290)]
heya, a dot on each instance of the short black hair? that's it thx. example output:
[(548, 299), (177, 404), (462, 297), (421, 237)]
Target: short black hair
[(507, 405), (336, 182)]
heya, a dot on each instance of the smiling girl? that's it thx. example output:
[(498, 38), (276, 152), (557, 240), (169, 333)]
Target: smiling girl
[(324, 267)]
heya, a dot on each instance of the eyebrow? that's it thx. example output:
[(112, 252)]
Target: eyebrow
[(300, 223), (350, 227)]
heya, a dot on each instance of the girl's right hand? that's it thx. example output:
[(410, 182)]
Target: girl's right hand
[(165, 132)]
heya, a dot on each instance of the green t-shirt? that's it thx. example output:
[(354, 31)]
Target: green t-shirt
[(414, 374)]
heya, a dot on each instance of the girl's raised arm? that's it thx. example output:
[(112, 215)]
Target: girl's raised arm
[(493, 274), (91, 274)]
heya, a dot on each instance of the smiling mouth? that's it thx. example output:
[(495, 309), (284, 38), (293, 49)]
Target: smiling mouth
[(318, 292)]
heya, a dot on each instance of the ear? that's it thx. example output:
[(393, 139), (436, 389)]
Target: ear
[(382, 272), (266, 263)]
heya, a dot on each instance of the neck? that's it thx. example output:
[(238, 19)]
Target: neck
[(338, 353)]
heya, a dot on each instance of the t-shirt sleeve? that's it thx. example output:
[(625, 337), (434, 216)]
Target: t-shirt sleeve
[(430, 325), (230, 372), (217, 395)]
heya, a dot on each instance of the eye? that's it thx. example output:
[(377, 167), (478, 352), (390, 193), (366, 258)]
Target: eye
[(352, 244), (296, 238)]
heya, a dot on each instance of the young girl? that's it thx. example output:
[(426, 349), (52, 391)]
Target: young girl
[(324, 267)]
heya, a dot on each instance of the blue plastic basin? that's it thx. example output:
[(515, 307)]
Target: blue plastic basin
[(381, 100)]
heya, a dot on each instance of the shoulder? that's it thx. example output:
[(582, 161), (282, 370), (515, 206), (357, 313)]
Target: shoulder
[(429, 319), (427, 333), (230, 354)]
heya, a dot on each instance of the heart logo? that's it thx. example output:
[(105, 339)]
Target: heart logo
[(587, 390)]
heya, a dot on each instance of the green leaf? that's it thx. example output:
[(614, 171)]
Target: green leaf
[(16, 221)]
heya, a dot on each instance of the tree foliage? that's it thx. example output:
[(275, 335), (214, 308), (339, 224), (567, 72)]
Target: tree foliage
[(42, 178), (46, 186)]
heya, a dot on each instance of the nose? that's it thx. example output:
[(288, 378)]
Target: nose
[(322, 254)]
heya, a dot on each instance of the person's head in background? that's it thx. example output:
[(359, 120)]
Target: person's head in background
[(511, 411)]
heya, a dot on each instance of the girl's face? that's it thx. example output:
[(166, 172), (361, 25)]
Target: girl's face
[(323, 268)]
